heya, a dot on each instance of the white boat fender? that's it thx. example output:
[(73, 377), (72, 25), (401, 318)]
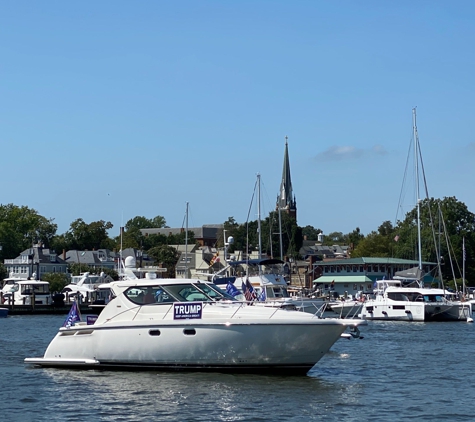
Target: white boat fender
[(469, 319)]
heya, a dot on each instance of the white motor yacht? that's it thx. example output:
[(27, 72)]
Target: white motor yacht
[(190, 324), (27, 292), (393, 301), (85, 285)]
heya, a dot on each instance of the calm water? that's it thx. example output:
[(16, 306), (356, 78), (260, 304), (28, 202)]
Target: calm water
[(398, 371)]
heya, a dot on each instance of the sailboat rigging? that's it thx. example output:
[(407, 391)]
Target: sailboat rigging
[(405, 297)]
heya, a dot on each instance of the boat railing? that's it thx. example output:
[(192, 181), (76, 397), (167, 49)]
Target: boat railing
[(239, 305)]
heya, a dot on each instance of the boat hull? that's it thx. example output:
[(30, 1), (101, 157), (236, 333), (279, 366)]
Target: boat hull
[(244, 347), (393, 311)]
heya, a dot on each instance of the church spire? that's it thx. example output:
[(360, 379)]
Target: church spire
[(286, 200)]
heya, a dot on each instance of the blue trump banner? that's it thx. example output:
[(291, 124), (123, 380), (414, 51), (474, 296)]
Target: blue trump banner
[(73, 316)]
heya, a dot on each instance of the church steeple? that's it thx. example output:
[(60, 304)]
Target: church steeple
[(286, 200)]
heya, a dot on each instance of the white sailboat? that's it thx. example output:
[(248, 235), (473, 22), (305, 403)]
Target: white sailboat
[(405, 298)]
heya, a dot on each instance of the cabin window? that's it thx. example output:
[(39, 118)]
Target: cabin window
[(361, 269), (338, 269), (346, 285), (148, 294), (332, 269)]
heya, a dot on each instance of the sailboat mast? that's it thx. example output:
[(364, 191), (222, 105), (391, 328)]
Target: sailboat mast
[(416, 169), (463, 267), (259, 213), (186, 242), (280, 234)]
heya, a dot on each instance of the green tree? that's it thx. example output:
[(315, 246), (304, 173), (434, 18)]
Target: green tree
[(378, 243), (3, 272), (444, 225), (133, 237), (311, 232), (21, 227), (167, 256), (335, 238), (57, 281), (354, 238), (83, 236)]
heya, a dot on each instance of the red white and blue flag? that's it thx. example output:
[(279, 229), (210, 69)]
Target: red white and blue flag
[(249, 291)]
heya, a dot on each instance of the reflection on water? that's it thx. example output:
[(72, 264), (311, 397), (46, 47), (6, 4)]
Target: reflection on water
[(398, 371)]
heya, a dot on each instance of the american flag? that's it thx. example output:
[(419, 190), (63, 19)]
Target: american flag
[(250, 292)]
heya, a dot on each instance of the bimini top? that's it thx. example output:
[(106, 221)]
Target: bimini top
[(261, 261)]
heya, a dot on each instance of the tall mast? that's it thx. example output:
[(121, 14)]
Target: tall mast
[(280, 234), (418, 200), (186, 242), (259, 214), (463, 267)]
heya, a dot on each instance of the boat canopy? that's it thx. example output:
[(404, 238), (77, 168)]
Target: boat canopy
[(414, 273)]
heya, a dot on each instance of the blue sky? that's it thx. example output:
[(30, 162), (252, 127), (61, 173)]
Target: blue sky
[(116, 109)]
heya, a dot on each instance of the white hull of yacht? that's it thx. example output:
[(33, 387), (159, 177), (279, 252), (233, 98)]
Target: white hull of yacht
[(390, 310), (241, 346)]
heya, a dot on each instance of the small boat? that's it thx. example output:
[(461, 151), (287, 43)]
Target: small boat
[(394, 301), (85, 285), (27, 292), (191, 324)]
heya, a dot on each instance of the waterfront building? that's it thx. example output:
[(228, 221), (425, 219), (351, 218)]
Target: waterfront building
[(353, 275)]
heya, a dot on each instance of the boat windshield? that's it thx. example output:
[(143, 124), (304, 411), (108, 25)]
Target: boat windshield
[(183, 292)]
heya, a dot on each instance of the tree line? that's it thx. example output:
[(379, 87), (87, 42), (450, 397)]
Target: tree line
[(446, 224)]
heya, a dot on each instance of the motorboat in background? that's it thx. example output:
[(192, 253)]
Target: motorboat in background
[(28, 292), (85, 285), (190, 324), (394, 301), (267, 276)]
